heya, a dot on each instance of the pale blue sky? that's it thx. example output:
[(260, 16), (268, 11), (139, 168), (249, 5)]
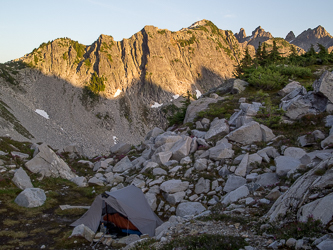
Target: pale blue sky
[(25, 24)]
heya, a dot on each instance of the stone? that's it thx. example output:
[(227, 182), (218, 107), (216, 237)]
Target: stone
[(242, 167), (19, 155), (200, 164), (189, 209), (222, 150), (267, 179), (129, 239), (123, 165), (83, 231), (152, 200), (239, 86), (181, 148), (96, 181), (162, 157), (294, 152), (175, 198), (318, 135), (327, 142), (31, 197), (235, 195), (324, 85), (289, 88), (217, 127), (88, 163), (186, 160), (298, 107), (121, 148), (198, 125), (159, 171), (291, 242), (21, 179), (201, 142), (80, 181), (153, 133), (252, 177), (285, 163), (320, 209), (274, 194), (325, 244), (202, 186), (250, 133), (233, 183), (48, 164), (198, 134), (196, 106), (166, 138), (174, 186)]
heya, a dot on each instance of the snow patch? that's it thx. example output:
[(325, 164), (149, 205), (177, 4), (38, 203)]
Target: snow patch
[(117, 93), (175, 96), (198, 93), (156, 105), (42, 113), (115, 139)]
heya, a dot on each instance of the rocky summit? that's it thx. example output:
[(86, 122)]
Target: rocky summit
[(225, 163)]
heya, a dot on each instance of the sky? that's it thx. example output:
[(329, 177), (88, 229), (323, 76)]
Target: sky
[(24, 24)]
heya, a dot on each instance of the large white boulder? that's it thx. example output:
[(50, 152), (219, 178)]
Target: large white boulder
[(123, 165), (21, 179), (189, 209), (174, 186), (31, 197)]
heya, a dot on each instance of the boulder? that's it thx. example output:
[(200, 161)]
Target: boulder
[(198, 134), (83, 231), (217, 127), (129, 239), (31, 197), (96, 181), (236, 195), (73, 150), (174, 186), (21, 179), (289, 88), (121, 148), (233, 183), (202, 186), (200, 164), (181, 148), (327, 142), (123, 165), (250, 133), (162, 157), (242, 167), (153, 133), (19, 155), (267, 179), (285, 163), (152, 200), (167, 137), (294, 152), (324, 86), (175, 198), (48, 164), (290, 201), (196, 106), (80, 181), (159, 171), (222, 150), (238, 86), (320, 209), (189, 209)]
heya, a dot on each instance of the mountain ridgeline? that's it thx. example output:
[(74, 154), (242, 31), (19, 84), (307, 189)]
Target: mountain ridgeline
[(99, 94)]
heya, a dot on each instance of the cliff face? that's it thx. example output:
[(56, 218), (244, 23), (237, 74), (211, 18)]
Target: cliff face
[(155, 63), (151, 66), (259, 35), (313, 36)]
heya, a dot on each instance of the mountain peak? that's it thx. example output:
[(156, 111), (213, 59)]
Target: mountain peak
[(290, 36)]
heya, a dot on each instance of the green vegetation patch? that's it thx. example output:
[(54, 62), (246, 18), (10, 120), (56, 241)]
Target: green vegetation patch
[(184, 43)]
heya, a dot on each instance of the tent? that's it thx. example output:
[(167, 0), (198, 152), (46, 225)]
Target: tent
[(129, 202)]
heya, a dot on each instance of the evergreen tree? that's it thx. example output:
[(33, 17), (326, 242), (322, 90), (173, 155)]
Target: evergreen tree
[(274, 56), (245, 63), (323, 54)]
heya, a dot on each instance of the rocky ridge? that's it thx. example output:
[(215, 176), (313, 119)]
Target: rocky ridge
[(226, 168)]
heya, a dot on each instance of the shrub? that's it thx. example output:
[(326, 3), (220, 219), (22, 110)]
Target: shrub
[(267, 79)]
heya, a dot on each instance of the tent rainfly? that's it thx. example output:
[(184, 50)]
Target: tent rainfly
[(129, 202)]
